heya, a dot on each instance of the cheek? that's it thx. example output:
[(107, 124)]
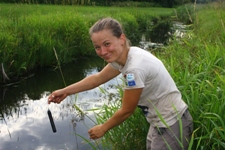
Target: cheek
[(114, 47), (118, 48), (111, 49), (97, 52)]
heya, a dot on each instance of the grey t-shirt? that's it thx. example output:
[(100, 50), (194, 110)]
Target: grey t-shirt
[(160, 97)]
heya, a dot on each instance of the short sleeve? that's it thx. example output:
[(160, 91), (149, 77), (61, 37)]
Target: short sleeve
[(134, 79), (115, 65)]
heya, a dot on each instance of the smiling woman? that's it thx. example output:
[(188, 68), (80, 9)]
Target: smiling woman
[(109, 48), (109, 40), (148, 85)]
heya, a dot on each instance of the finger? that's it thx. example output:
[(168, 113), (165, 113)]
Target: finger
[(56, 100), (89, 131), (93, 137), (51, 98)]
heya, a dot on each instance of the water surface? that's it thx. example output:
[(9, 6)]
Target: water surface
[(24, 123)]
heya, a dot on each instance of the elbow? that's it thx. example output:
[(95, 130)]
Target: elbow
[(127, 113)]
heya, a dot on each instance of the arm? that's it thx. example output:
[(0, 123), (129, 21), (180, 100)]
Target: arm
[(87, 83), (129, 103)]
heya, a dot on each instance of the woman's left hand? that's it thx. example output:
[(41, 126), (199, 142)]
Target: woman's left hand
[(96, 132)]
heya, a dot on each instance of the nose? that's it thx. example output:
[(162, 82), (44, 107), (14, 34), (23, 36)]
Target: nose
[(102, 51)]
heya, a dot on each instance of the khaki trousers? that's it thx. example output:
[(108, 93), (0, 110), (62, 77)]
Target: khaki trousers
[(163, 138)]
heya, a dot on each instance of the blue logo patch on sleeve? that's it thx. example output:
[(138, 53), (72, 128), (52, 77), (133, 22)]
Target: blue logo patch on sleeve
[(130, 79), (131, 83)]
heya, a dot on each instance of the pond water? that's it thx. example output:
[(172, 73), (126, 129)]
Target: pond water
[(24, 123)]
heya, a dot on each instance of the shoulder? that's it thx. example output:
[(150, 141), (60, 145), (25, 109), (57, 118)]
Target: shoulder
[(140, 54), (135, 50), (140, 57)]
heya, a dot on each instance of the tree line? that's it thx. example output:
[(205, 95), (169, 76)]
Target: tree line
[(142, 3)]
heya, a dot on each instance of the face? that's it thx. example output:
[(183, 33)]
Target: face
[(107, 46)]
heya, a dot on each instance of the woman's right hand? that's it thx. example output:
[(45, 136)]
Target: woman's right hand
[(57, 96)]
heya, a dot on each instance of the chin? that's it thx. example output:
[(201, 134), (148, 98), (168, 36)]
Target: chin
[(109, 60)]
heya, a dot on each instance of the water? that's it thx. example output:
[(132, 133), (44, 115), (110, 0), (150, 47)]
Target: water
[(24, 123)]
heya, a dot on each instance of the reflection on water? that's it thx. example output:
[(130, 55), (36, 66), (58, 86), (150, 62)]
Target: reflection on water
[(24, 123), (29, 128)]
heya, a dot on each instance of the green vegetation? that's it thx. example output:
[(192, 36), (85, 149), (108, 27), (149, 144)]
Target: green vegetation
[(131, 134), (120, 3), (196, 61), (197, 65), (29, 33)]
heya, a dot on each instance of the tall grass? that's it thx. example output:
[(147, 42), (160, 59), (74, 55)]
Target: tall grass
[(33, 37), (131, 134), (195, 62), (197, 65), (28, 33)]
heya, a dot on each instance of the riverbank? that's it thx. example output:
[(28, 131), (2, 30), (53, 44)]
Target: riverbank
[(30, 33), (195, 61)]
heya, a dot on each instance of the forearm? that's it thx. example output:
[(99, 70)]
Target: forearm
[(129, 104), (87, 83), (119, 117)]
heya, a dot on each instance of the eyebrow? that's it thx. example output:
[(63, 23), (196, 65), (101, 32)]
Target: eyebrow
[(106, 41)]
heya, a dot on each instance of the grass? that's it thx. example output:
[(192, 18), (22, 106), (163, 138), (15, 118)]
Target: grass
[(196, 65), (18, 10), (196, 62), (133, 130), (32, 31)]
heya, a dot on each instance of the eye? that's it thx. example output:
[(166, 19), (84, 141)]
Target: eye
[(107, 44), (97, 47)]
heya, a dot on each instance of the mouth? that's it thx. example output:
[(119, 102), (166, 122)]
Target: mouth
[(106, 57)]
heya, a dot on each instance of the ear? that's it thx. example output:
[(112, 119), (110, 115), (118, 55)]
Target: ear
[(122, 39)]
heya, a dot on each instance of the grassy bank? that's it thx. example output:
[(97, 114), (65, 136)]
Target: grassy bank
[(28, 33), (197, 63)]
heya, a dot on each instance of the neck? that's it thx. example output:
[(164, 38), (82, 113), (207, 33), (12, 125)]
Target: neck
[(123, 58)]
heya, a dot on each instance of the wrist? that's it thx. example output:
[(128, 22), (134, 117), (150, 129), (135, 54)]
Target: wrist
[(65, 91), (104, 127)]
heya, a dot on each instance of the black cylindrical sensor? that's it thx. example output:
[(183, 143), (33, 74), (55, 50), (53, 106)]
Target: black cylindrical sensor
[(51, 121)]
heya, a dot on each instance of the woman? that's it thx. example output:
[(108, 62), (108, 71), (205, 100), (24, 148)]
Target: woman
[(148, 85)]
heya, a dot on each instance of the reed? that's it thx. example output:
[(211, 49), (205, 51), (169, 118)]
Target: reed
[(196, 64), (133, 130)]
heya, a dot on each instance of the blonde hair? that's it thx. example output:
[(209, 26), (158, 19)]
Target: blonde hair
[(109, 24)]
